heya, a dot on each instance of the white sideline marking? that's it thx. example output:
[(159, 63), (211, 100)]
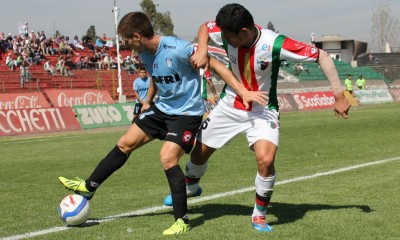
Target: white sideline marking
[(197, 200)]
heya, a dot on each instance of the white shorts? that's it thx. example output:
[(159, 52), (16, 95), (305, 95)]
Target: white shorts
[(225, 122)]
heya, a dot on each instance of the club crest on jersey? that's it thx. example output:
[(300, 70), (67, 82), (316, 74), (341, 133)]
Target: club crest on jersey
[(272, 124), (314, 50), (232, 58), (262, 63), (169, 62), (187, 137), (210, 25)]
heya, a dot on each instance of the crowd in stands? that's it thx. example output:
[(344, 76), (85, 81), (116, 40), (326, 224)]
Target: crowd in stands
[(27, 49)]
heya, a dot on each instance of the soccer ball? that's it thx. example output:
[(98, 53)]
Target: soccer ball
[(74, 209)]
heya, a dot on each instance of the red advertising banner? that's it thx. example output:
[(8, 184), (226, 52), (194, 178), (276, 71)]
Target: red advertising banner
[(286, 103), (69, 98), (395, 94), (313, 100), (41, 120), (22, 101)]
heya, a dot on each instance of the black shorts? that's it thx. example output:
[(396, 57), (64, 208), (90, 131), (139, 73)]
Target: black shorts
[(138, 107), (180, 129)]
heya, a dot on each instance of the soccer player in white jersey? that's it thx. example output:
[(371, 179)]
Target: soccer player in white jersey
[(174, 116), (255, 55)]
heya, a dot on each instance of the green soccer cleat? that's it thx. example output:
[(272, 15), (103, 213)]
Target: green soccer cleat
[(178, 227), (78, 186)]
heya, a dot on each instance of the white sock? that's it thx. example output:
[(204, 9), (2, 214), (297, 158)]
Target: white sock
[(194, 171), (265, 188)]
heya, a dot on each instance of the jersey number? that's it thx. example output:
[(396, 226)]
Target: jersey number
[(205, 123)]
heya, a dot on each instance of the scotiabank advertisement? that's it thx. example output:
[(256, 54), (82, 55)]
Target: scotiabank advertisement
[(37, 120), (70, 98), (313, 100), (22, 101)]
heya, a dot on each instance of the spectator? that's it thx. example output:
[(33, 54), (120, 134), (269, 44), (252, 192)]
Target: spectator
[(373, 59), (3, 44), (9, 41), (26, 57), (106, 62), (49, 68), (298, 68), (42, 36), (60, 66), (69, 44), (32, 35), (361, 83), (50, 50), (24, 71), (85, 62), (100, 42), (77, 44), (10, 62), (25, 29), (19, 60), (349, 83), (129, 65), (93, 61), (86, 42)]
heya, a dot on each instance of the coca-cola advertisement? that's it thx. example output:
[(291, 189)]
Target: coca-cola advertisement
[(70, 98), (22, 101)]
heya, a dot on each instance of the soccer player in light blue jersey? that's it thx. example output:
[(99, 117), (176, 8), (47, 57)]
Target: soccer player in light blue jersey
[(174, 116), (140, 88)]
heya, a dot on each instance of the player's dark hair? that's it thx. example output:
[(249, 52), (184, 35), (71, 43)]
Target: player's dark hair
[(233, 17), (142, 68), (135, 22)]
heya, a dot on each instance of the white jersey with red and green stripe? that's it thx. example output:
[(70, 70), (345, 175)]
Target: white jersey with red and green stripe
[(257, 67)]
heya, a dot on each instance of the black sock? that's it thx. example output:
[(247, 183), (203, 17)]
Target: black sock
[(111, 163), (177, 185)]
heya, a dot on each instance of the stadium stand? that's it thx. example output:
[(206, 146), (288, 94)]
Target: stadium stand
[(314, 73), (292, 78)]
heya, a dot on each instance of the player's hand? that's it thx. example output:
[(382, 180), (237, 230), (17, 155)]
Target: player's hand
[(341, 106), (199, 60), (145, 106), (259, 97)]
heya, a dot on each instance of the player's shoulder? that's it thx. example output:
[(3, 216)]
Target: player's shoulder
[(171, 42), (268, 34)]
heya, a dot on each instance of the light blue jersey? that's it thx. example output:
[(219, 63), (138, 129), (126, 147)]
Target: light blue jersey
[(142, 87), (179, 85)]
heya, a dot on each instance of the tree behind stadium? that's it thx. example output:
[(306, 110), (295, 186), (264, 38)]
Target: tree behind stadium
[(162, 22), (385, 29)]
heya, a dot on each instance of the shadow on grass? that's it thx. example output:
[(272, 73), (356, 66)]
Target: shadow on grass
[(284, 212)]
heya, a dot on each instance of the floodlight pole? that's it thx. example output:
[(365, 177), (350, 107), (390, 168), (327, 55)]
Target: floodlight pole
[(119, 89)]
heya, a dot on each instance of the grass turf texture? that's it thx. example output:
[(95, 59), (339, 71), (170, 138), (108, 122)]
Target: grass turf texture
[(356, 204)]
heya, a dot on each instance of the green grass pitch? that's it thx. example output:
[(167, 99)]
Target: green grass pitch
[(359, 203)]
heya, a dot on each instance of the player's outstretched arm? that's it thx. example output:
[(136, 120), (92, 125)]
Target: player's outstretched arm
[(342, 105), (227, 76)]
